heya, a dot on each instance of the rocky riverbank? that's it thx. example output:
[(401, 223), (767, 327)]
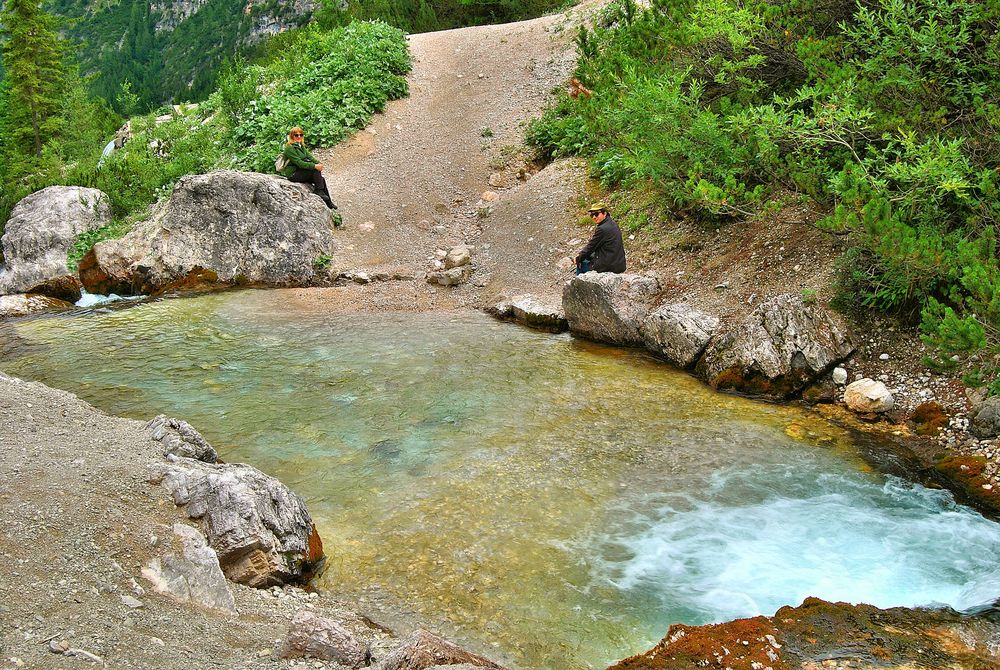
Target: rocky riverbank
[(101, 566)]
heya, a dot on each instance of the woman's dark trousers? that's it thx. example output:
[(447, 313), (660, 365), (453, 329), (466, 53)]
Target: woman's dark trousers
[(314, 177)]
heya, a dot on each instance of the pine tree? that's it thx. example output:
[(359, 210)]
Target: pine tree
[(35, 75)]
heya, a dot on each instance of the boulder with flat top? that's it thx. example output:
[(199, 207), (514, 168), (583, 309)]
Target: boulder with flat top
[(609, 307)]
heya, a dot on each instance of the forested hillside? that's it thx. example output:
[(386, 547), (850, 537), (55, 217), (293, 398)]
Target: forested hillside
[(141, 54), (883, 115)]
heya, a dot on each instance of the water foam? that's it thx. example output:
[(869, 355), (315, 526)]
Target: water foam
[(712, 558)]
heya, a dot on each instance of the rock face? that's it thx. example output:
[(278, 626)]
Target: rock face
[(241, 227), (819, 634), (678, 333), (193, 574), (261, 529), (779, 348), (23, 305), (179, 438), (532, 312), (313, 636), (41, 231), (609, 307), (986, 418), (423, 650), (868, 395)]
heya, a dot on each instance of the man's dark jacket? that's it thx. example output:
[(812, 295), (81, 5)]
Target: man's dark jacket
[(605, 249)]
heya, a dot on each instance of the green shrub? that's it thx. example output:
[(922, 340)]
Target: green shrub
[(884, 113)]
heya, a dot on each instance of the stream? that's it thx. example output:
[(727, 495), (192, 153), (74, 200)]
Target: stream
[(548, 502)]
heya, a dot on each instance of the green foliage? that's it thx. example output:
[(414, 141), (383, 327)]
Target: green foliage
[(886, 113), (322, 262)]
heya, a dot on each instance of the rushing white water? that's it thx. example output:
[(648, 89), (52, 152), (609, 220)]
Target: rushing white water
[(740, 548), (93, 299)]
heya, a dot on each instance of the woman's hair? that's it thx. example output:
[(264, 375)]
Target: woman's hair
[(296, 129)]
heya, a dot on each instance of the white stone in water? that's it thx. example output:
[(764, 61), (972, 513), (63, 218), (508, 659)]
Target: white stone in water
[(839, 375)]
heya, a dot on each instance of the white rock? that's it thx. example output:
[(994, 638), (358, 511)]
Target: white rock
[(868, 395), (839, 375)]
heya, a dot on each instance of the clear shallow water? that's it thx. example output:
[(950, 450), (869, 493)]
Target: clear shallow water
[(553, 503)]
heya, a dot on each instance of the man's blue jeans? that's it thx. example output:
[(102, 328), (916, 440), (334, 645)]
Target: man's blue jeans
[(583, 267)]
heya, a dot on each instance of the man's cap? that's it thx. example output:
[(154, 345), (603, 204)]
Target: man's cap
[(597, 207)]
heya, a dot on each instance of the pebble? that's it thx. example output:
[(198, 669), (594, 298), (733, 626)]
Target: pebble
[(883, 357), (133, 603)]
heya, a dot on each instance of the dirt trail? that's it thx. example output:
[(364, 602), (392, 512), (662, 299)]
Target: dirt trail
[(411, 182)]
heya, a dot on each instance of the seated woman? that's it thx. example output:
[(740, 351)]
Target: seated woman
[(303, 167)]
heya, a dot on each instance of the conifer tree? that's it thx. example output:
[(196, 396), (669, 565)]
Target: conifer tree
[(35, 75)]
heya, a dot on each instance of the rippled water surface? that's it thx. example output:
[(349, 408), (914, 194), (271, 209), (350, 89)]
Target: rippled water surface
[(552, 503)]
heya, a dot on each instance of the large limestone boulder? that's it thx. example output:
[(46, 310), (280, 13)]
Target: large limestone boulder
[(191, 572), (528, 310), (678, 333), (423, 650), (41, 231), (609, 307), (985, 418), (260, 528), (868, 396), (778, 349), (314, 636), (237, 227)]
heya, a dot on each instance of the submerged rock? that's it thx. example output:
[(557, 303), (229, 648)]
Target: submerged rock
[(423, 650), (609, 307), (243, 227), (532, 312), (678, 333), (23, 305), (191, 575), (40, 232), (778, 349), (868, 395), (261, 530), (314, 636)]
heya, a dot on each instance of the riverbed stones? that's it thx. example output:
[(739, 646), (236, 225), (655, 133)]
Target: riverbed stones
[(179, 438), (260, 528), (678, 333), (530, 311), (452, 277), (457, 256), (242, 228), (191, 572), (781, 346), (41, 231), (868, 396), (313, 636), (985, 418), (839, 376), (22, 305), (422, 650), (609, 307)]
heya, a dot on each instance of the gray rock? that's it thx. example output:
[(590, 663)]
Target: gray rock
[(457, 257), (179, 438), (22, 305), (41, 231), (609, 307), (867, 395), (678, 333), (132, 603), (985, 418), (532, 312), (260, 528), (452, 277), (313, 636), (191, 574), (779, 348), (839, 375), (423, 650), (236, 227)]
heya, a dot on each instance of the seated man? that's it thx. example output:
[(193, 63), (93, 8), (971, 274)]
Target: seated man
[(605, 252)]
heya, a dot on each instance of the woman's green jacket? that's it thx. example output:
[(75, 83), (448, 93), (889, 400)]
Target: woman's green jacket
[(298, 158)]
